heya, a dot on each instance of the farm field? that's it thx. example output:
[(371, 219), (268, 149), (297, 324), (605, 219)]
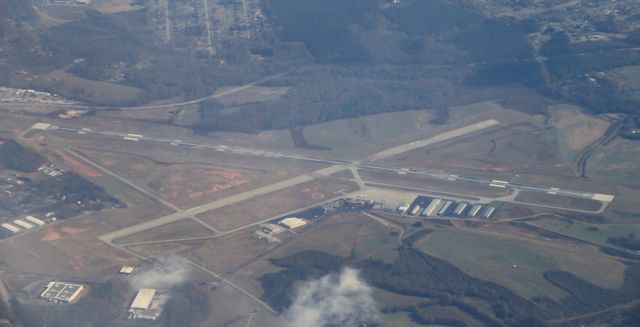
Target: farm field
[(629, 77), (519, 265), (594, 233)]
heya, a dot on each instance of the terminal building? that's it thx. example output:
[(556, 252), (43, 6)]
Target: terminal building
[(147, 304), (61, 292)]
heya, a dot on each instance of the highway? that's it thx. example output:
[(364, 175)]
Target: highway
[(367, 165)]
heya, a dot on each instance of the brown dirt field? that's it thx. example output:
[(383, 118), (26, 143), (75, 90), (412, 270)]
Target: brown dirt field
[(274, 204), (179, 229), (78, 166), (182, 184), (190, 184)]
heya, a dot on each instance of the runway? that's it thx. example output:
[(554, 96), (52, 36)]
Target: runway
[(366, 165)]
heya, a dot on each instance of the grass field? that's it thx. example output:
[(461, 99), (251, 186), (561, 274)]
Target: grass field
[(618, 161), (361, 136), (341, 235), (180, 229), (430, 184), (92, 91), (187, 185), (67, 248), (574, 130), (398, 319), (525, 143), (594, 233), (276, 203), (492, 258), (254, 94), (551, 200), (629, 77)]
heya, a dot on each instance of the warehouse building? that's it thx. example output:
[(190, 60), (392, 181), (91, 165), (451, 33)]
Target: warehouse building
[(460, 209), (127, 270), (415, 210), (61, 292), (34, 220), (475, 210), (432, 208), (23, 224), (402, 209), (13, 229), (147, 304), (446, 208), (488, 212), (292, 222)]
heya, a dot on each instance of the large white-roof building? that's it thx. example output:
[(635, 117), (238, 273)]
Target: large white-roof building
[(292, 222), (147, 304), (13, 229), (61, 292), (34, 220), (23, 224)]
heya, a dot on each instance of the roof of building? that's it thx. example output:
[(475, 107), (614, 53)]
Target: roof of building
[(34, 220), (10, 228), (60, 291), (23, 224), (293, 222), (143, 298), (127, 270)]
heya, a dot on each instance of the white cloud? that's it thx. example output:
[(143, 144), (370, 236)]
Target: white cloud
[(334, 300), (175, 272)]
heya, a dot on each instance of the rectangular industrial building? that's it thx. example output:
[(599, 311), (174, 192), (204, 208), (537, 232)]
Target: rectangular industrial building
[(127, 270), (143, 298), (60, 292), (11, 228), (488, 212), (23, 224), (292, 222), (403, 208), (474, 210), (432, 208), (446, 208), (415, 210), (34, 220), (459, 210), (147, 304)]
